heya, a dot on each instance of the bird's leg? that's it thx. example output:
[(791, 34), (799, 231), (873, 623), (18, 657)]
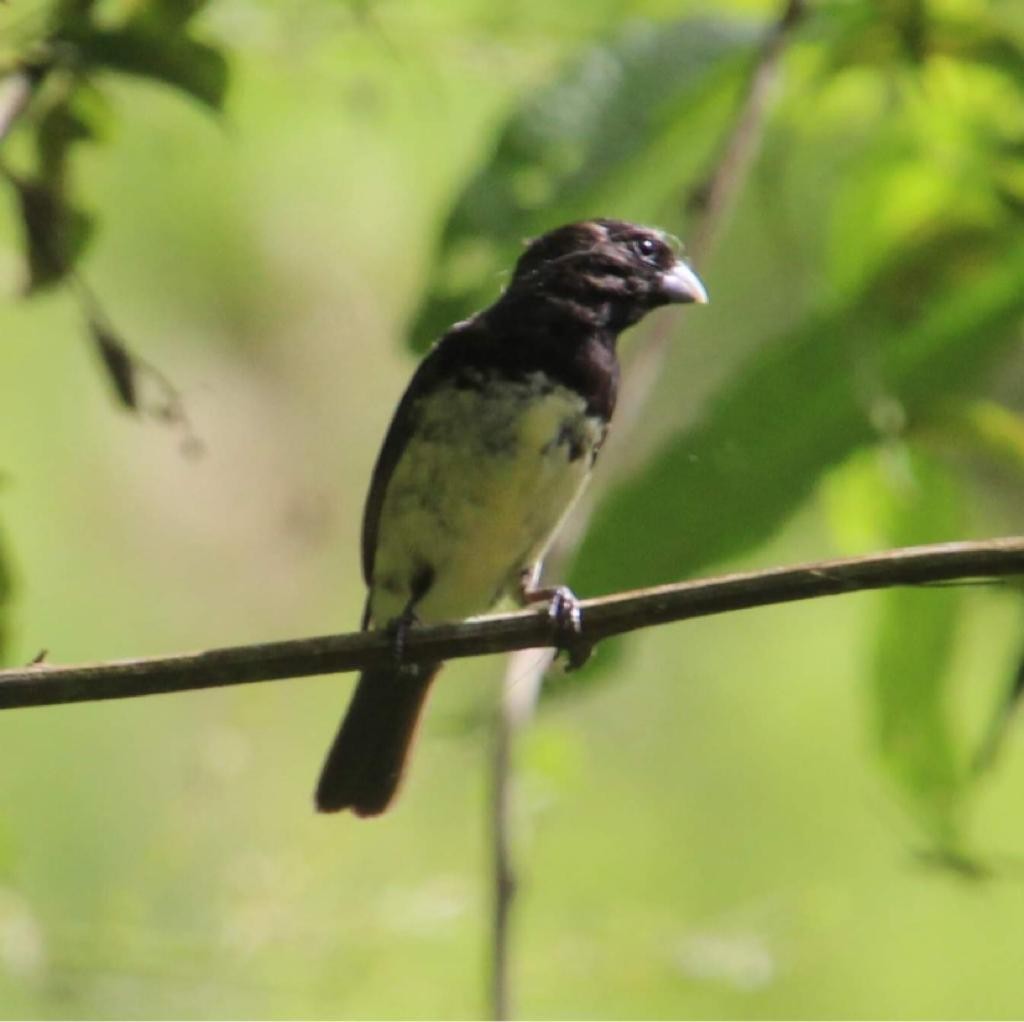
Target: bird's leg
[(563, 609), (398, 628)]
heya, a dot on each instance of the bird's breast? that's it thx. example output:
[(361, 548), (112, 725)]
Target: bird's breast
[(490, 469)]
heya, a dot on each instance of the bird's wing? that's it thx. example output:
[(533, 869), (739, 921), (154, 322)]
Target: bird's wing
[(432, 372)]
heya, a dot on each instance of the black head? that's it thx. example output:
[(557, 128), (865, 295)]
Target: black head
[(618, 270)]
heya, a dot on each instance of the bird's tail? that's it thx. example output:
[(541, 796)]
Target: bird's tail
[(364, 767)]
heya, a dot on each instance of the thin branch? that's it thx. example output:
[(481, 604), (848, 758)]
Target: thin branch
[(710, 202), (44, 684), (713, 199), (502, 868)]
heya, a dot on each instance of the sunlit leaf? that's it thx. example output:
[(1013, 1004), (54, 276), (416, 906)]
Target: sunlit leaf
[(625, 114)]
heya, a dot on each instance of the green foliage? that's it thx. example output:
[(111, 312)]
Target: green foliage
[(799, 405), (928, 253), (153, 44), (64, 62), (890, 202), (987, 428), (910, 32), (55, 230), (627, 116), (898, 495)]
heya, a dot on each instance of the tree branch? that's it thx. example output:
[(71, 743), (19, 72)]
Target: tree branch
[(43, 684), (712, 200), (503, 873)]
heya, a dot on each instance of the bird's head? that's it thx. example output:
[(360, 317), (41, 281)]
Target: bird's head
[(613, 267)]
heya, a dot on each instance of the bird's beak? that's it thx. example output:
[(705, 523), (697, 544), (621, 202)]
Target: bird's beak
[(681, 284)]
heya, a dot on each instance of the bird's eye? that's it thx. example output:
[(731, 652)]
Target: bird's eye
[(648, 249)]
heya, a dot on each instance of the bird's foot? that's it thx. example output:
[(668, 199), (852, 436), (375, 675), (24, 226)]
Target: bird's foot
[(398, 629), (563, 608), (565, 613)]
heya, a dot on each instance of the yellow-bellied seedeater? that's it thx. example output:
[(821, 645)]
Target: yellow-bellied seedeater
[(491, 444)]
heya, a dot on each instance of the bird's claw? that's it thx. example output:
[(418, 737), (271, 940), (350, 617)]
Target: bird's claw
[(564, 610), (399, 629), (566, 614)]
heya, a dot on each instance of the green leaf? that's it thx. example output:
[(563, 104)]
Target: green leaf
[(146, 47), (71, 119), (911, 33), (54, 229), (913, 647), (54, 232), (167, 14), (119, 363), (985, 428), (800, 405), (1004, 714), (624, 120), (902, 496)]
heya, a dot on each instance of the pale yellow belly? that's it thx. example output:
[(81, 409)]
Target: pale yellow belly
[(478, 494)]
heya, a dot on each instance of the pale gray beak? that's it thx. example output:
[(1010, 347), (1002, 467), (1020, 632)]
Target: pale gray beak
[(681, 284)]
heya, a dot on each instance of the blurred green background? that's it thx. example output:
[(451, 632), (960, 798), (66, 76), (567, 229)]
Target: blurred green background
[(804, 811)]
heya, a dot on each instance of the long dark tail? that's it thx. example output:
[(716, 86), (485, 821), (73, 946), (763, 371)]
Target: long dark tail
[(364, 767)]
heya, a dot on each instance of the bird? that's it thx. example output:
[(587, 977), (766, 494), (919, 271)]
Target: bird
[(490, 446)]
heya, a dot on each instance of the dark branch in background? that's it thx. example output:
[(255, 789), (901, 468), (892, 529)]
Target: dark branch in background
[(43, 684), (709, 204)]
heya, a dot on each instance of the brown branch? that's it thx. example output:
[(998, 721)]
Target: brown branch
[(44, 684)]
